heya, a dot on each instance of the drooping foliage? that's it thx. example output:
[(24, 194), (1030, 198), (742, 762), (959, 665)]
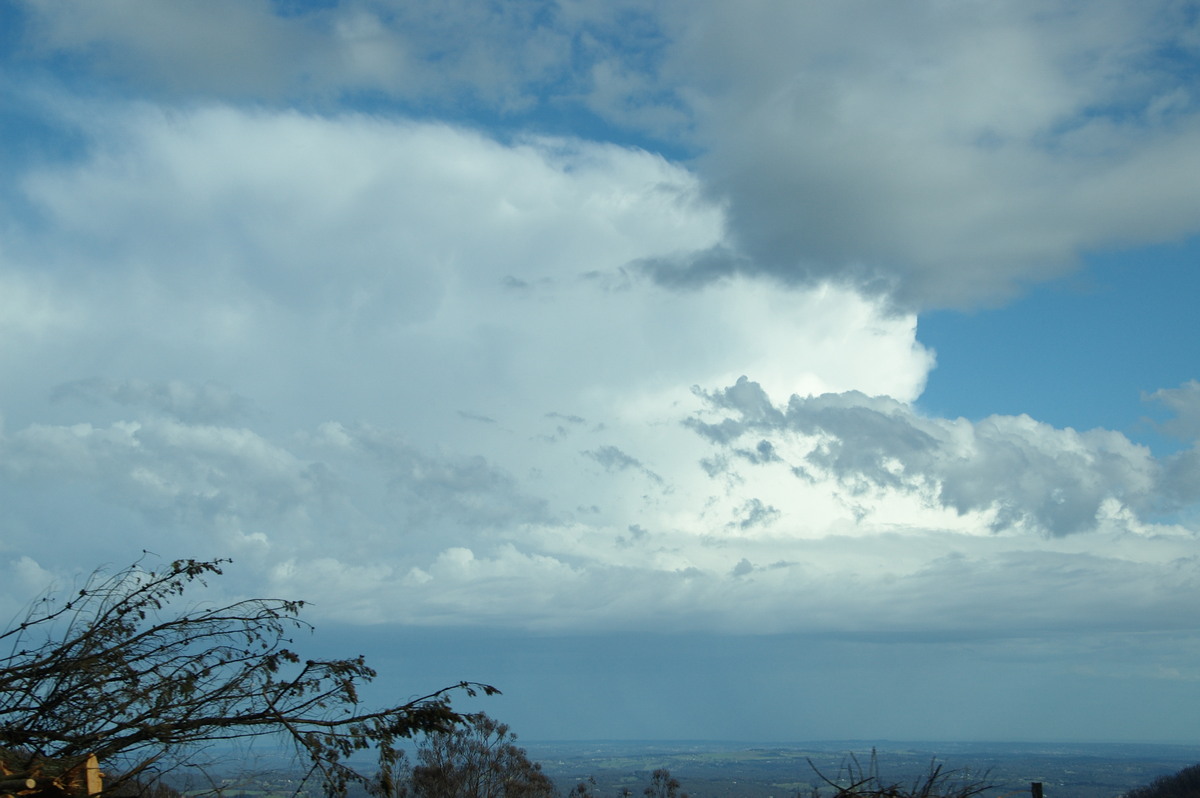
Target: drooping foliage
[(478, 759), (131, 668), (663, 785), (1184, 784)]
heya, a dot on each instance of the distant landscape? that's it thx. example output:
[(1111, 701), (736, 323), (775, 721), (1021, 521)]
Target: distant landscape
[(782, 770), (708, 769)]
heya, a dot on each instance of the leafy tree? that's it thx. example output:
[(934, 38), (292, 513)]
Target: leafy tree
[(663, 785), (1184, 784), (587, 789), (122, 671), (479, 759)]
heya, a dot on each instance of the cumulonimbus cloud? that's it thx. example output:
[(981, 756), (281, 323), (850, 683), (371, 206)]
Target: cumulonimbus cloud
[(470, 362)]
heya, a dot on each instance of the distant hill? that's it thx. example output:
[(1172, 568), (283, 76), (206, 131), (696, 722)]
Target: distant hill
[(1184, 784)]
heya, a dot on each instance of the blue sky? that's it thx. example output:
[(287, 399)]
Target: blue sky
[(1074, 352), (708, 370)]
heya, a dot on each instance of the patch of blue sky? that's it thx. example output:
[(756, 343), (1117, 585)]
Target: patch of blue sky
[(33, 133), (31, 128), (298, 8), (13, 19), (1083, 351), (556, 102)]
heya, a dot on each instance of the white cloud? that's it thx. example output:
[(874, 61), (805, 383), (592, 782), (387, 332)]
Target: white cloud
[(457, 394), (1184, 402), (297, 204), (332, 240), (1027, 473), (944, 155), (417, 277), (831, 514)]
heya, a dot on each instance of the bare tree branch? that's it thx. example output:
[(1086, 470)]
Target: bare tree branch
[(118, 671)]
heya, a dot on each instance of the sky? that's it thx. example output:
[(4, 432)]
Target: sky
[(705, 370)]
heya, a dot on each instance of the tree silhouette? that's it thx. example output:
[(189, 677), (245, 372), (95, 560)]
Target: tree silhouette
[(1183, 784), (120, 671), (663, 785), (479, 759)]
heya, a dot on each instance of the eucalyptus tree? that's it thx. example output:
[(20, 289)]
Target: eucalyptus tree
[(134, 670), (478, 759)]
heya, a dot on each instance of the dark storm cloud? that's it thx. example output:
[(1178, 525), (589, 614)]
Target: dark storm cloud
[(941, 156), (693, 269)]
